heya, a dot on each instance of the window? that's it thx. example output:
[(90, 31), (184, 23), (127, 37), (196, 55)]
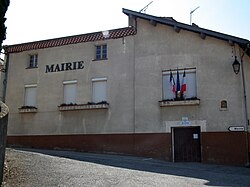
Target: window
[(99, 90), (33, 61), (223, 105), (30, 95), (101, 52), (181, 88), (69, 92)]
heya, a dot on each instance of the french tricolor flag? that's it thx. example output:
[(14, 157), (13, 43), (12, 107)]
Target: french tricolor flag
[(184, 83), (172, 83)]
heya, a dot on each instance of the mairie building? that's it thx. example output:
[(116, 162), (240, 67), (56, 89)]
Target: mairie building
[(157, 88)]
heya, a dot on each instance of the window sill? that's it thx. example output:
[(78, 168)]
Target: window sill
[(32, 67), (223, 109), (27, 110), (179, 103), (84, 107), (100, 59)]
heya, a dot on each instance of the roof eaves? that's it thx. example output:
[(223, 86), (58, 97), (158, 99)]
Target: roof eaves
[(56, 42), (242, 42)]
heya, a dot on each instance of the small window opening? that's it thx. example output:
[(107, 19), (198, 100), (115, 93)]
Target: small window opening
[(223, 105)]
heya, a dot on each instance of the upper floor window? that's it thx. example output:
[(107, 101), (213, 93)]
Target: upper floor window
[(179, 84), (101, 52), (33, 61)]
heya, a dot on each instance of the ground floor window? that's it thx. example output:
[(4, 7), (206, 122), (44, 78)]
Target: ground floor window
[(179, 84), (99, 89), (30, 95), (69, 92)]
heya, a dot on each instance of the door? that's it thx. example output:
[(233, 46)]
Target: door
[(186, 144)]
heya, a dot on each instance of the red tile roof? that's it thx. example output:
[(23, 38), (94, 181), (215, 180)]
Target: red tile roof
[(113, 34)]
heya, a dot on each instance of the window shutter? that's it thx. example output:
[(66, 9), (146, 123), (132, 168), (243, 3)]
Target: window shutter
[(191, 85), (167, 93), (99, 92), (30, 96), (69, 93)]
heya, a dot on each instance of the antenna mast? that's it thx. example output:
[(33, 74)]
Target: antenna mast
[(146, 7), (192, 13)]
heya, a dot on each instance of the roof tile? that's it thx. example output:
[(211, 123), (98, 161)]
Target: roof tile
[(113, 34)]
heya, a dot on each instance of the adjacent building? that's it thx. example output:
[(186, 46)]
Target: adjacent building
[(157, 88)]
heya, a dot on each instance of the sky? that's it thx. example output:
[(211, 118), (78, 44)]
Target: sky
[(33, 20)]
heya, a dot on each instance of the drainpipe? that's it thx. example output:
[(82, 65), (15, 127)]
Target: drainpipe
[(5, 77), (134, 93), (245, 101)]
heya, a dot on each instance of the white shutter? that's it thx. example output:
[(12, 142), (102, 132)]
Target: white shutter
[(30, 96), (167, 89), (69, 92), (99, 92), (191, 85)]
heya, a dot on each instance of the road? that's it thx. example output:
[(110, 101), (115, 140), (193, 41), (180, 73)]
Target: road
[(33, 167)]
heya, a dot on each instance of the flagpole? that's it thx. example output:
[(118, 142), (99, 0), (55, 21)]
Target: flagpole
[(178, 86)]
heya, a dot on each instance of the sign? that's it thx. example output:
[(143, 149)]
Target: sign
[(64, 66), (195, 136), (236, 128), (184, 121)]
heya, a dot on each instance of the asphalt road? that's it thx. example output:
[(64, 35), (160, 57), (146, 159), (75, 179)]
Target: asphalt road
[(32, 167)]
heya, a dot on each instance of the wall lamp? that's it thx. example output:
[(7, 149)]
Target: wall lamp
[(236, 66)]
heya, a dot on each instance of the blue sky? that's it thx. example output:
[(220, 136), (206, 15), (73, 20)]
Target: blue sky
[(32, 20)]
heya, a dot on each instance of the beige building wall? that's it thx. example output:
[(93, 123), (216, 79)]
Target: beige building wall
[(118, 69), (134, 85), (160, 48)]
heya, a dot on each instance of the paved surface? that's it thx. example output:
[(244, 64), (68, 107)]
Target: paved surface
[(32, 167)]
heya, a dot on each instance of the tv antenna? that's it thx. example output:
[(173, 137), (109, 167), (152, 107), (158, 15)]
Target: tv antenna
[(146, 7), (192, 13)]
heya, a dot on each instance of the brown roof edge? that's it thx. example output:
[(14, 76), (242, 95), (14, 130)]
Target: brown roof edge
[(56, 42)]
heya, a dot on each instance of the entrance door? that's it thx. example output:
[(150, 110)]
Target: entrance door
[(186, 144)]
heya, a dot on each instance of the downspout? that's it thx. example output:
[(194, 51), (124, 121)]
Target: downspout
[(134, 86), (5, 77), (245, 101)]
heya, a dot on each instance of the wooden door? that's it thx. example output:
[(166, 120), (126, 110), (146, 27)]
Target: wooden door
[(186, 144)]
